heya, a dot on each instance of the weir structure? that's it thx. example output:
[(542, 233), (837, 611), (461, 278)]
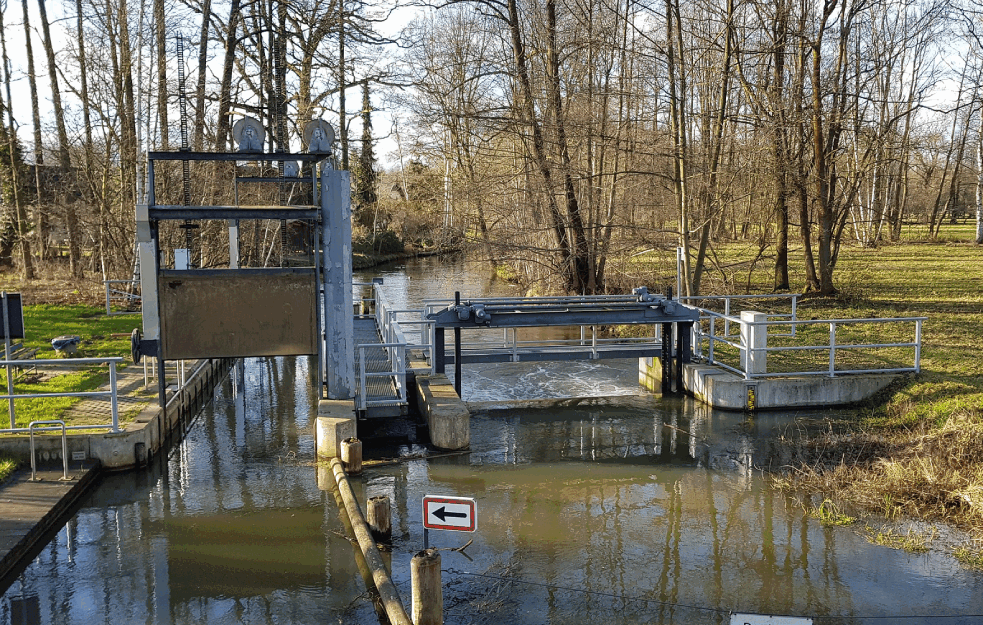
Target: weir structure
[(641, 307), (235, 312)]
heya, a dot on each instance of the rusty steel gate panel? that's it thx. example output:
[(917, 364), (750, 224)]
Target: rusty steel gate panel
[(237, 313)]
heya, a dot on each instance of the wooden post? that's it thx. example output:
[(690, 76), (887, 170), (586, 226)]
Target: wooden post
[(379, 519), (351, 455), (428, 599)]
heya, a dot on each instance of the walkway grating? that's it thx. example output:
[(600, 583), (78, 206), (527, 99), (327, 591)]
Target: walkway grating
[(381, 388)]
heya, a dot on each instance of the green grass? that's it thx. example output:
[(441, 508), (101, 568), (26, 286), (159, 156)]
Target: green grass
[(42, 323), (916, 450), (912, 542), (47, 408)]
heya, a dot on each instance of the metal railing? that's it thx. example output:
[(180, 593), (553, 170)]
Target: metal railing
[(793, 299), (828, 347), (110, 394), (113, 293), (394, 345), (64, 447)]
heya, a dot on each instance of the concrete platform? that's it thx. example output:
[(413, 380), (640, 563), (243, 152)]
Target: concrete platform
[(722, 389)]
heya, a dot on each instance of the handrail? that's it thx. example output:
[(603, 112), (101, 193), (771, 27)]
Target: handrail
[(64, 447), (124, 295), (112, 393), (832, 346), (394, 343)]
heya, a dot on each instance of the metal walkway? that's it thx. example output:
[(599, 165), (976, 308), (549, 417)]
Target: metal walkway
[(376, 392)]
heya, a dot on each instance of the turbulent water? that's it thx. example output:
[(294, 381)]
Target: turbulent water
[(621, 509)]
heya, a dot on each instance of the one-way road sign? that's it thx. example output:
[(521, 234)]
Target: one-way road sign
[(449, 513)]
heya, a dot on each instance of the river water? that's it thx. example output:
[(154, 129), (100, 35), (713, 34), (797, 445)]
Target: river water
[(621, 509)]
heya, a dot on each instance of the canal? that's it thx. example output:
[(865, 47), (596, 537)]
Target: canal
[(622, 508)]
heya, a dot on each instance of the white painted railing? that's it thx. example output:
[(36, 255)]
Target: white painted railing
[(829, 347), (110, 394)]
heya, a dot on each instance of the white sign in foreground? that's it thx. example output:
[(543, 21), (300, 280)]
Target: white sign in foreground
[(761, 619), (449, 513)]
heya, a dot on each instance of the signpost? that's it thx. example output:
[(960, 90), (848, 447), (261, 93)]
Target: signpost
[(457, 514)]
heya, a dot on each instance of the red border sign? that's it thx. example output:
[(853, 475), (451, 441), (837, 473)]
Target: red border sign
[(457, 514)]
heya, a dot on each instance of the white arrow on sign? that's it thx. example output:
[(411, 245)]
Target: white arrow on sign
[(449, 513)]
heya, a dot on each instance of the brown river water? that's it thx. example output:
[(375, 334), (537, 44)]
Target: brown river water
[(620, 509)]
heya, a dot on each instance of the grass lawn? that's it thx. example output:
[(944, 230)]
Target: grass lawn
[(102, 336), (918, 451)]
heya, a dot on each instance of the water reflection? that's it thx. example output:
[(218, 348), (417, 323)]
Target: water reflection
[(616, 510)]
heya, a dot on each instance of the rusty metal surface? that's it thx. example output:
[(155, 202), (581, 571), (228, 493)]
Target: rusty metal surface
[(237, 313)]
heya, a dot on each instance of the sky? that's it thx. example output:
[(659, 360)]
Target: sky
[(385, 148)]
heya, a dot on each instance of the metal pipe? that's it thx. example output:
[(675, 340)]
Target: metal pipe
[(115, 399), (64, 447)]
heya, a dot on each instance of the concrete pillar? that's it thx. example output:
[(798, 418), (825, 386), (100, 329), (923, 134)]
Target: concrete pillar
[(447, 416), (754, 358), (339, 345), (329, 434)]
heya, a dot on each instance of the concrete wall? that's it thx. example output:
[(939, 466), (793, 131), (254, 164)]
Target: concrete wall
[(447, 416), (134, 444), (722, 389)]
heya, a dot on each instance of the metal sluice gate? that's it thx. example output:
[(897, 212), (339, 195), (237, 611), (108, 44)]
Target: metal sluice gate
[(640, 307)]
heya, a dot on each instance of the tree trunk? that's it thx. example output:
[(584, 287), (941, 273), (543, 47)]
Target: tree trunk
[(224, 127), (528, 110), (64, 158), (206, 18), (979, 182), (20, 213), (580, 270), (44, 226), (162, 91), (677, 115)]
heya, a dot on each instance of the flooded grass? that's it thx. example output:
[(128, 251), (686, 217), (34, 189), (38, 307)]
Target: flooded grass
[(917, 449), (830, 516), (911, 541)]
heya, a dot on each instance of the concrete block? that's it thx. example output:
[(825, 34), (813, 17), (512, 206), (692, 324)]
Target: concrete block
[(723, 389), (447, 416), (650, 373), (331, 431)]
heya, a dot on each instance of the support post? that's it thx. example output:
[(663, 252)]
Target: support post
[(679, 357), (439, 355), (666, 358), (457, 349), (351, 455), (379, 518), (336, 236), (10, 369), (428, 600)]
